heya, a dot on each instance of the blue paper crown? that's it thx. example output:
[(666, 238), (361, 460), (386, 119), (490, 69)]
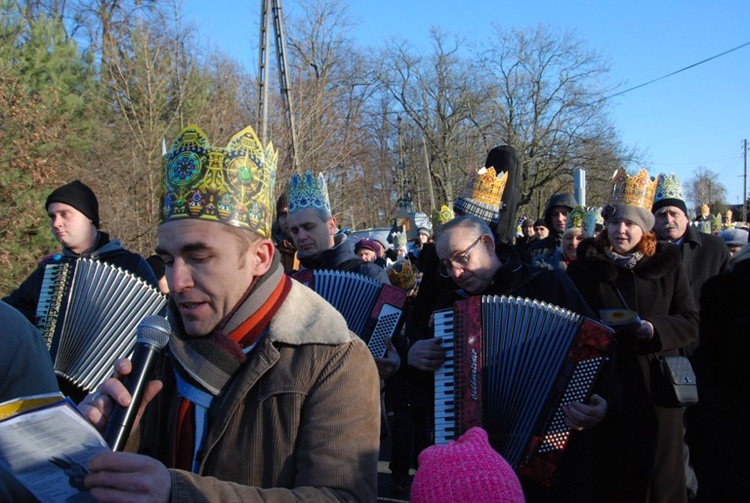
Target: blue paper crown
[(307, 191)]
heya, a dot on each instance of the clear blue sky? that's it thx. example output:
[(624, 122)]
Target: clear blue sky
[(698, 117)]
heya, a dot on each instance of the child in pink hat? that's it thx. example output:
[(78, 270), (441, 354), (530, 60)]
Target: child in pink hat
[(465, 471)]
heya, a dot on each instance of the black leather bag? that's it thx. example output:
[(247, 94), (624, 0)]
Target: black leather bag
[(673, 382)]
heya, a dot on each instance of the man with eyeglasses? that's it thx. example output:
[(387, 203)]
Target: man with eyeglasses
[(470, 255)]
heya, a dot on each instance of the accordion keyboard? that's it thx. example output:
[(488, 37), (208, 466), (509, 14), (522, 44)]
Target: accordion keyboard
[(49, 305), (445, 397)]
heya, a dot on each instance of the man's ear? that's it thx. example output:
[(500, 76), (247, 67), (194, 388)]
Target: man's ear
[(262, 255), (489, 243), (332, 228)]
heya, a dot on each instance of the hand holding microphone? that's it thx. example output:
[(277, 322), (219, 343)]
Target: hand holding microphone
[(135, 391)]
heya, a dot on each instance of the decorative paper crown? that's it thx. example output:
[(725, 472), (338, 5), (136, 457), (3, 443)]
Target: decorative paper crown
[(717, 223), (399, 239), (482, 194), (441, 216), (232, 185), (583, 218), (668, 187), (402, 275), (307, 191), (635, 190)]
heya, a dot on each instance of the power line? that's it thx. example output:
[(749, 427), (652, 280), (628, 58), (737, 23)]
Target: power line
[(693, 163), (676, 72)]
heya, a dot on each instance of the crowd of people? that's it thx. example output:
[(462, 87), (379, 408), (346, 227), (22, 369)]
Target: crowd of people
[(264, 393)]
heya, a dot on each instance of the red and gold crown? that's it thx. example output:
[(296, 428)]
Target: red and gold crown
[(485, 186), (482, 194), (232, 185), (635, 190)]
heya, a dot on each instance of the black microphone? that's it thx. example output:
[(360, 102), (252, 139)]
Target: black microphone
[(152, 335)]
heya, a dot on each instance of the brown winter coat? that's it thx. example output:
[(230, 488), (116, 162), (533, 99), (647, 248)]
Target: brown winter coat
[(640, 453), (300, 421)]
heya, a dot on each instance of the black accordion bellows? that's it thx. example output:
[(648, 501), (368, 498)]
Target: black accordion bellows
[(88, 312)]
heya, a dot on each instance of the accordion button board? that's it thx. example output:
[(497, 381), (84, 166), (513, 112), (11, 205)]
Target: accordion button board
[(373, 310)]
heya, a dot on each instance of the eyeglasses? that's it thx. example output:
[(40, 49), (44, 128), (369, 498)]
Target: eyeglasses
[(458, 259)]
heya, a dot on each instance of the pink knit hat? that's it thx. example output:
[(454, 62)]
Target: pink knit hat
[(467, 470)]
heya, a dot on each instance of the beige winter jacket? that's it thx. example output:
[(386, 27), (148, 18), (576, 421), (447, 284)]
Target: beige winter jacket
[(300, 421)]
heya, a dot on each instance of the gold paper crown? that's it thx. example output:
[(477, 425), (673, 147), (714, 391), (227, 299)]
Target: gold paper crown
[(402, 275), (232, 185), (485, 186), (635, 190)]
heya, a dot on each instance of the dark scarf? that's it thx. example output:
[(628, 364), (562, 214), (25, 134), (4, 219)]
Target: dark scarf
[(628, 261)]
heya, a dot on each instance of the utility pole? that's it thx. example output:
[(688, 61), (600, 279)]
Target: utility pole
[(744, 182), (274, 6)]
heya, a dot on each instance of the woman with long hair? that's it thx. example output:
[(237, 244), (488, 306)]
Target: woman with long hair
[(639, 445)]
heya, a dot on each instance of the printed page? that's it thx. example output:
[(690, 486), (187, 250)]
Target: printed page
[(48, 450)]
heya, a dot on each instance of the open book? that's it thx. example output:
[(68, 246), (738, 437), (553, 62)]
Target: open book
[(47, 444)]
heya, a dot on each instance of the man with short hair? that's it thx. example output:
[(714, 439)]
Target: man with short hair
[(704, 255), (74, 218), (264, 394), (313, 229), (555, 219), (540, 229), (527, 238)]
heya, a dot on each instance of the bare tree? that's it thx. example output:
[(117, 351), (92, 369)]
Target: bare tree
[(332, 82), (549, 105), (704, 188), (437, 97)]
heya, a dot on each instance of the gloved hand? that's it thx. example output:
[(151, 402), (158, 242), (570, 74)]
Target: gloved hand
[(644, 332)]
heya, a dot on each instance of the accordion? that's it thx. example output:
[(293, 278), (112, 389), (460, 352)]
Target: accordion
[(373, 310), (88, 311), (511, 364)]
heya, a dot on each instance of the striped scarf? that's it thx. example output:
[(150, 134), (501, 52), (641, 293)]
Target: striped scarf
[(205, 365)]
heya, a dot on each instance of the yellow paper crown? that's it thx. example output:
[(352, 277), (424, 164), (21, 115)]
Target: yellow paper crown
[(402, 275), (232, 185), (635, 190), (441, 216), (486, 186)]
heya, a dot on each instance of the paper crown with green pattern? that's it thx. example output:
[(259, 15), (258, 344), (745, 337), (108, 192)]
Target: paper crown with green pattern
[(308, 191), (232, 185), (583, 218), (668, 187), (399, 239)]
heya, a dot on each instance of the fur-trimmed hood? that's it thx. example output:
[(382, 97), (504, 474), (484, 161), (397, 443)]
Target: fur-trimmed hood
[(306, 318), (592, 258)]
